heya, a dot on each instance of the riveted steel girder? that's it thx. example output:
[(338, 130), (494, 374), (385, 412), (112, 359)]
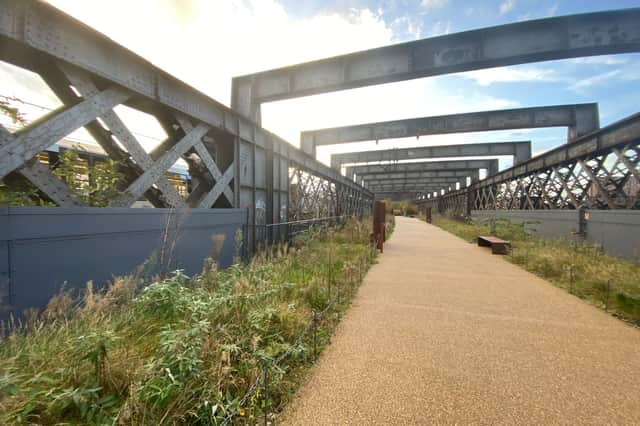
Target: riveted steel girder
[(521, 151), (579, 118), (571, 36)]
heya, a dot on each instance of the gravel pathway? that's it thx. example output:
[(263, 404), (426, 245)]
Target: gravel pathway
[(442, 332)]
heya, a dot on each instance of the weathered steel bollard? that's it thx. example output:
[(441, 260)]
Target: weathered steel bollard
[(378, 234)]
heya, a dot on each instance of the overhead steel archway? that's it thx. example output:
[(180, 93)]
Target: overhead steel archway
[(571, 36), (473, 173), (579, 118), (521, 151), (423, 166)]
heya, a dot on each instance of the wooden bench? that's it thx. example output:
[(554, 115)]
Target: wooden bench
[(497, 245)]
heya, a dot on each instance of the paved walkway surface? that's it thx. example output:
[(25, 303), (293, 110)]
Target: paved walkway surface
[(442, 332)]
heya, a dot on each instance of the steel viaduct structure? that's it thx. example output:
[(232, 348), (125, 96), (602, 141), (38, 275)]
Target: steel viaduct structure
[(234, 162)]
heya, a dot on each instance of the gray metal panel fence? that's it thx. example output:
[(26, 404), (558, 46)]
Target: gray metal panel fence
[(542, 223), (617, 231), (45, 249)]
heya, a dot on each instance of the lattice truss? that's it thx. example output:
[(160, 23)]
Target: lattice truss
[(89, 103), (311, 197), (606, 181), (602, 180)]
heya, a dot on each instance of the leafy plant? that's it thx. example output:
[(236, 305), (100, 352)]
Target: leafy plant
[(101, 184)]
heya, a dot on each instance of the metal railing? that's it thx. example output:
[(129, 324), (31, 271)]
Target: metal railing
[(260, 236)]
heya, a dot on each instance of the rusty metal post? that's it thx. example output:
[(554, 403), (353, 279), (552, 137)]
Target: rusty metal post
[(428, 214), (379, 213)]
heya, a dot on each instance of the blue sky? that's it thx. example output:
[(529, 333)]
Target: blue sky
[(206, 43)]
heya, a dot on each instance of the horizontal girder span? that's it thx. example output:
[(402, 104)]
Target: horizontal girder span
[(491, 165), (579, 118), (375, 182), (421, 175), (599, 33), (521, 151)]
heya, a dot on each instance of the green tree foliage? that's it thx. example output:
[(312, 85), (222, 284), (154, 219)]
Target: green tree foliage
[(12, 112), (100, 187)]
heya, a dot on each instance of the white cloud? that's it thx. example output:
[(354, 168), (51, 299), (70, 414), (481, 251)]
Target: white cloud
[(433, 4), (406, 27), (583, 86), (440, 28), (601, 60), (553, 10), (506, 6), (491, 76)]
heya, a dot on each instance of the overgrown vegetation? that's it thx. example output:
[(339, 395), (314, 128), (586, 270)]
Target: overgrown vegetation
[(401, 208), (95, 185), (389, 225), (184, 350), (582, 269), (101, 184)]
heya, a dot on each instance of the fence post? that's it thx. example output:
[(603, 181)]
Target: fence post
[(583, 218), (266, 392), (315, 338)]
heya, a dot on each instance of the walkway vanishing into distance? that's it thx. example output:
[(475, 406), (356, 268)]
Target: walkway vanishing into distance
[(442, 332)]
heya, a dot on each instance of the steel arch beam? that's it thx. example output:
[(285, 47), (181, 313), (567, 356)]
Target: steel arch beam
[(397, 182), (579, 118), (397, 195), (521, 151), (473, 173), (571, 36), (410, 186), (491, 165)]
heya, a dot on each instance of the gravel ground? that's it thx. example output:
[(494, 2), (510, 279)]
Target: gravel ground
[(443, 332)]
